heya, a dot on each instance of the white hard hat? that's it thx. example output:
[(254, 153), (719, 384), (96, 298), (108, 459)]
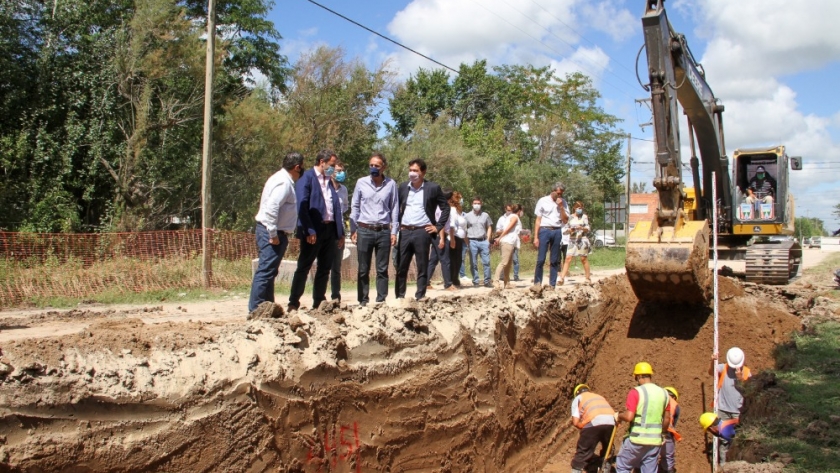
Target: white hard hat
[(735, 357)]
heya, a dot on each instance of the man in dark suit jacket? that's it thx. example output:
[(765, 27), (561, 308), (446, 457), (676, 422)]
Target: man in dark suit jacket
[(320, 228), (418, 227)]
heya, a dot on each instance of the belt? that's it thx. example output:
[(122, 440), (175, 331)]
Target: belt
[(477, 238), (552, 228), (375, 227), (327, 222), (412, 227)]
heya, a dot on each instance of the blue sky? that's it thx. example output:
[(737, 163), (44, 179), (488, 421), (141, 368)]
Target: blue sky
[(773, 63)]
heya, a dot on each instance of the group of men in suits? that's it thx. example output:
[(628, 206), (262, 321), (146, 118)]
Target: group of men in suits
[(383, 216)]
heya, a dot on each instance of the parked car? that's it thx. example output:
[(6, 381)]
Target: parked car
[(815, 242), (806, 241), (600, 240)]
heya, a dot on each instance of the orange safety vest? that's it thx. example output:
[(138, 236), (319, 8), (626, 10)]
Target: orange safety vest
[(591, 406), (672, 406)]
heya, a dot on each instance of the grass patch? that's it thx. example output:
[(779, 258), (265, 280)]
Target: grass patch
[(794, 409)]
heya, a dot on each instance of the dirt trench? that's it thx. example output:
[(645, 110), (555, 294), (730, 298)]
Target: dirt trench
[(479, 383)]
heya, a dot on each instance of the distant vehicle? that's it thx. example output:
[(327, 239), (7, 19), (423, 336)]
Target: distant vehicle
[(601, 240), (806, 241), (815, 242)]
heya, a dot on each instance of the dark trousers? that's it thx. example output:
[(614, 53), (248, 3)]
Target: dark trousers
[(413, 244), (335, 274), (585, 458), (456, 259), (324, 250), (549, 240), (368, 242), (441, 255), (262, 287)]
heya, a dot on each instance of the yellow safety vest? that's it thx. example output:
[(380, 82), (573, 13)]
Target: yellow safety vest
[(647, 425)]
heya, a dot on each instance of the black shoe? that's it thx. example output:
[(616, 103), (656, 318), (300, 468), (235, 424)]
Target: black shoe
[(488, 284), (516, 279)]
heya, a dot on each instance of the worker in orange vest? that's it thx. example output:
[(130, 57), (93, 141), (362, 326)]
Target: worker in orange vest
[(592, 414), (731, 375), (671, 435)]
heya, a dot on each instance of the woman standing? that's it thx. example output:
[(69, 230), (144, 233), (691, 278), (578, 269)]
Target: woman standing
[(577, 228), (507, 240), (457, 233)]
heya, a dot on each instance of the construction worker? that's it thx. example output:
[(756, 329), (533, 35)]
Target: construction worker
[(672, 436), (649, 417), (722, 429), (592, 414), (731, 375)]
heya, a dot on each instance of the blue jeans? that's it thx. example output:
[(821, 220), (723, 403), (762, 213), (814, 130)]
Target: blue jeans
[(262, 287), (483, 248), (463, 271), (516, 264), (553, 240)]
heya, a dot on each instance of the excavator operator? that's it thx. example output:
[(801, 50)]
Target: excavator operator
[(762, 187)]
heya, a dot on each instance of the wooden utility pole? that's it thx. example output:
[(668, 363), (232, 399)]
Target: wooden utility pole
[(207, 151), (627, 193)]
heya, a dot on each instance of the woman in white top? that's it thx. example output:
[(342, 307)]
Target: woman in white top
[(507, 240), (577, 228), (457, 233)]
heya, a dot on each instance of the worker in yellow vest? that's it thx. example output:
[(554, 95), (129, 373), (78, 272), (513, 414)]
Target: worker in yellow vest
[(731, 376), (649, 417), (592, 414), (672, 436)]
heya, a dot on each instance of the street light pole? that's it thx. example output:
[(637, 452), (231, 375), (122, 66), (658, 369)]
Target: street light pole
[(207, 151)]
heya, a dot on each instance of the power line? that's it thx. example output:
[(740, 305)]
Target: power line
[(382, 36)]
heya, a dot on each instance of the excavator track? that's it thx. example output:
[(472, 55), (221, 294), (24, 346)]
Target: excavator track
[(773, 262)]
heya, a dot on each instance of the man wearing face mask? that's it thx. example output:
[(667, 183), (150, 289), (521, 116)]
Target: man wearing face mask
[(552, 213), (479, 234), (320, 228), (418, 225), (373, 225), (338, 177), (762, 187), (277, 216)]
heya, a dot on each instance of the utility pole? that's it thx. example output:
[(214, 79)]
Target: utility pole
[(627, 193), (207, 151)]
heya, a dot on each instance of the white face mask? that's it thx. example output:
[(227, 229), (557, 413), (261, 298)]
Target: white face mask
[(507, 212), (476, 207), (413, 176)]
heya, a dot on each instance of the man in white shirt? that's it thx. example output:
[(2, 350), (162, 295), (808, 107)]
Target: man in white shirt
[(276, 217), (552, 213)]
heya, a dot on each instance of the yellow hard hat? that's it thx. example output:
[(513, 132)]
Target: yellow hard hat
[(580, 387), (674, 392), (708, 419), (643, 368)]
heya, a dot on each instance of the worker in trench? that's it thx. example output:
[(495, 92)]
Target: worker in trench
[(595, 418), (730, 378), (649, 415), (722, 429), (668, 460)]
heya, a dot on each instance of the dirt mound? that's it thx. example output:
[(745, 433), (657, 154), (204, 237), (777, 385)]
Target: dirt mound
[(454, 384)]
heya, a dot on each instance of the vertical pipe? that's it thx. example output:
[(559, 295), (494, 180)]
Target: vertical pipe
[(716, 347), (627, 195), (207, 151)]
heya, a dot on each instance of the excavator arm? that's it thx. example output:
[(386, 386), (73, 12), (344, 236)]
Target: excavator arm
[(667, 258)]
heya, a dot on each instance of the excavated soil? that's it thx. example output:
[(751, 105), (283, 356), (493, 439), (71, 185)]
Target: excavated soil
[(478, 383)]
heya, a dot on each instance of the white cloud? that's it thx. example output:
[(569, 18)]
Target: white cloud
[(607, 17)]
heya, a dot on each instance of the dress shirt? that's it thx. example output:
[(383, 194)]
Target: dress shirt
[(278, 211), (342, 198), (445, 226), (549, 211), (375, 205), (415, 210), (325, 183), (477, 224)]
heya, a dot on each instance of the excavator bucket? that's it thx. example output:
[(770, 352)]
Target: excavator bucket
[(669, 264)]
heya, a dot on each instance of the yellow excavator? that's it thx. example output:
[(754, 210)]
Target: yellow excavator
[(668, 257)]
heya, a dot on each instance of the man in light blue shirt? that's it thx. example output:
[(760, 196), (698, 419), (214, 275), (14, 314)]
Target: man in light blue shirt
[(276, 217), (373, 225)]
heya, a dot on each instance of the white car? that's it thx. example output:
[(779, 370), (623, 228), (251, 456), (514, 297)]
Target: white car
[(601, 240)]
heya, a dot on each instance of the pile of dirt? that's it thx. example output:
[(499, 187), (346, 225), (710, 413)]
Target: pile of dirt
[(478, 383)]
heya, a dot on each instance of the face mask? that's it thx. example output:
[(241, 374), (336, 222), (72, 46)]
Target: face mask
[(760, 175), (340, 176), (413, 176), (579, 212), (461, 202), (476, 207), (329, 171), (374, 171), (507, 212)]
